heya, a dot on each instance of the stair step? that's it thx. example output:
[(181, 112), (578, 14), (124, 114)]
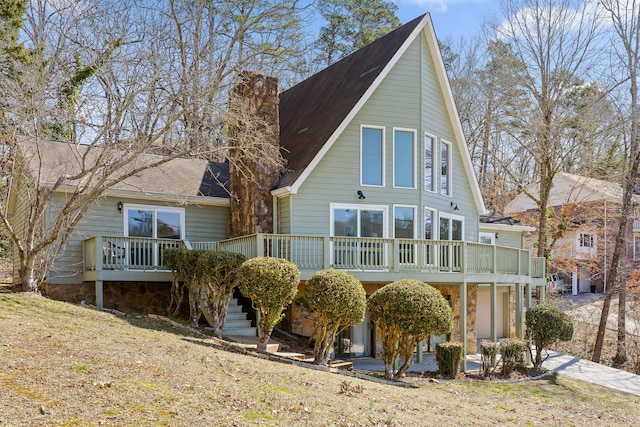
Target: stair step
[(341, 364), (237, 323), (242, 332)]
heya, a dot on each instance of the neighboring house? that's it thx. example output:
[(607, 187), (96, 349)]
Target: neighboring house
[(583, 254), (380, 183)]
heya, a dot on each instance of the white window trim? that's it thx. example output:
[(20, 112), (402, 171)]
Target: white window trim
[(452, 217), (155, 209), (434, 162), (384, 149), (415, 221), (449, 169), (491, 236), (383, 208), (434, 222), (586, 249), (413, 166)]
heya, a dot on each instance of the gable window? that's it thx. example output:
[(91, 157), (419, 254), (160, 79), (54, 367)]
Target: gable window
[(445, 168), (404, 158), (429, 159), (372, 156)]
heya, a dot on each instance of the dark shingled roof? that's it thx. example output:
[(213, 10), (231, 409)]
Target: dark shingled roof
[(311, 111), (498, 218)]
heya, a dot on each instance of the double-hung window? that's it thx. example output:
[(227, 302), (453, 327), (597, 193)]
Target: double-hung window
[(372, 156), (404, 154), (445, 168)]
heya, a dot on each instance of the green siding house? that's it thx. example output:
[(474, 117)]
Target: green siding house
[(379, 182)]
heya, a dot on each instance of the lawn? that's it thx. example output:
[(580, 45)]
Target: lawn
[(66, 365)]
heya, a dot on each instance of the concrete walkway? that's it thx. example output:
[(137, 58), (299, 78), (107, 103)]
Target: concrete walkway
[(595, 373)]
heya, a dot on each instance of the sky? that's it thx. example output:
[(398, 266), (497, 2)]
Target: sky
[(451, 18)]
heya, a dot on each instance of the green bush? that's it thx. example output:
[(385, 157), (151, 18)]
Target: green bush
[(339, 301), (489, 355), (406, 312), (512, 352), (449, 357), (545, 325), (209, 276), (271, 284)]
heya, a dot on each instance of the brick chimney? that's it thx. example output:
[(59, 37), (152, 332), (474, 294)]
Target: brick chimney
[(251, 179)]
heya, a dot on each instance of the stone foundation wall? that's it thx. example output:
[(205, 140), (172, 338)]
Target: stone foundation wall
[(128, 297), (453, 293)]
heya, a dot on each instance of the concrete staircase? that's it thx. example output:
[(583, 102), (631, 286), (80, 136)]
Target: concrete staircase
[(237, 323)]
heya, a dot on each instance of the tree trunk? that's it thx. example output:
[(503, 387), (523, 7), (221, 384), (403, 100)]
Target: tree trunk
[(621, 345)]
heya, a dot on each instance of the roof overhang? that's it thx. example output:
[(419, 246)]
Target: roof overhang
[(506, 227)]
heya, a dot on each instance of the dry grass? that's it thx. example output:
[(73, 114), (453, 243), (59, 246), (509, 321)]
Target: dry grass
[(65, 365)]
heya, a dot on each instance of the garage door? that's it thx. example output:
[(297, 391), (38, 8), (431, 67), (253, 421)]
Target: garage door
[(483, 313)]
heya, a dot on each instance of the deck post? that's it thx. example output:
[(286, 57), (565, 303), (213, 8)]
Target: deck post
[(463, 323), (99, 294), (260, 244), (493, 304), (519, 306), (528, 295), (543, 294), (326, 252)]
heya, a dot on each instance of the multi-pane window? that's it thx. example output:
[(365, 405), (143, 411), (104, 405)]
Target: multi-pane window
[(445, 168), (586, 241), (404, 158), (154, 222), (372, 156), (429, 159)]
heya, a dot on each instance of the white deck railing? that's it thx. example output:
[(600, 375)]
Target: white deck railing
[(321, 252)]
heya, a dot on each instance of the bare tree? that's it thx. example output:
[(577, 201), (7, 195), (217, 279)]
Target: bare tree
[(625, 22), (116, 82), (550, 42)]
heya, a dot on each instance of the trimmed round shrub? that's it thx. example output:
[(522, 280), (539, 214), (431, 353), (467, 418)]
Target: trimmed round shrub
[(271, 284), (406, 312), (547, 324), (339, 301)]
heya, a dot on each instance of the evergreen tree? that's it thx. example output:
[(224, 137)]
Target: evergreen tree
[(351, 25)]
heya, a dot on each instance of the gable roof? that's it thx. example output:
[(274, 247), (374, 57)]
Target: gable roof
[(315, 112), (499, 221), (311, 111), (569, 188), (181, 180)]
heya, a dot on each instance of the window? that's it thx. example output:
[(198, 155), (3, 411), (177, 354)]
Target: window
[(154, 222), (150, 222), (586, 240), (636, 246), (429, 153), (404, 228), (404, 158), (451, 228), (372, 156), (429, 234), (354, 222), (445, 168), (487, 238)]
